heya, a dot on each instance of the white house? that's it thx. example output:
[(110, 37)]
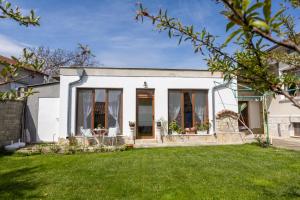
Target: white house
[(112, 97)]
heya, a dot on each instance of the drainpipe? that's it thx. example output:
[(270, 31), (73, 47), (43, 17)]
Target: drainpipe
[(223, 85), (70, 85)]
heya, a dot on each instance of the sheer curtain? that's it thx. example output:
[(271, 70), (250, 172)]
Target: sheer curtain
[(87, 107), (200, 105), (114, 97), (174, 105)]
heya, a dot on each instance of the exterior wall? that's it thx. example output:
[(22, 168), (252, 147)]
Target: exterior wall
[(255, 114), (27, 80), (10, 121), (224, 99), (220, 138), (32, 107), (227, 125), (282, 115)]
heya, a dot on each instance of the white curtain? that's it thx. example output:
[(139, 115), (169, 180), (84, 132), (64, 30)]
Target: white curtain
[(114, 106), (174, 105), (87, 108), (200, 105)]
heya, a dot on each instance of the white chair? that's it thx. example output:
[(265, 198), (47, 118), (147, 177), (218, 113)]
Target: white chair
[(112, 134), (88, 133)]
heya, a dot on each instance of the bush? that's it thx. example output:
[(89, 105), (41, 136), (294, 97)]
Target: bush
[(261, 140), (72, 141)]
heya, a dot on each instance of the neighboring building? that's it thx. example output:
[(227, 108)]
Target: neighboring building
[(283, 117), (29, 77), (113, 97)]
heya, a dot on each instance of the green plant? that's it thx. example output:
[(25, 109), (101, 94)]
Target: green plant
[(55, 148), (131, 124), (252, 27), (72, 141), (100, 126), (203, 126), (261, 141), (174, 127)]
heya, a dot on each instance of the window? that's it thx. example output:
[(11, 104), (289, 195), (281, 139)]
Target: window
[(99, 108), (297, 129), (293, 89), (188, 107)]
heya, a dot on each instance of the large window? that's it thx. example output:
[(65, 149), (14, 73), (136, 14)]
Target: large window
[(188, 107), (99, 108)]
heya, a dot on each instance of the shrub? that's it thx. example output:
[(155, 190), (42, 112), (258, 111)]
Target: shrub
[(72, 141)]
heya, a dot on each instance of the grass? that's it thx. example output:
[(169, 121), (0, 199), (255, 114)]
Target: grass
[(213, 172)]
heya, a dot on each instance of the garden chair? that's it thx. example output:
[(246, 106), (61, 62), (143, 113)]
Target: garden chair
[(88, 133), (112, 135)]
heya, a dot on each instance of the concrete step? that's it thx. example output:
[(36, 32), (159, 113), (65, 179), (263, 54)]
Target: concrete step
[(289, 143), (145, 141)]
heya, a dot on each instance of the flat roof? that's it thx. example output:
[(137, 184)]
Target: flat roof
[(138, 72)]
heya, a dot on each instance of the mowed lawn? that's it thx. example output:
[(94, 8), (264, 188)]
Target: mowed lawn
[(212, 172)]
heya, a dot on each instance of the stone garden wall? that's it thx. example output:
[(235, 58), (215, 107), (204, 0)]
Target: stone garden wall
[(282, 126), (227, 121), (10, 121)]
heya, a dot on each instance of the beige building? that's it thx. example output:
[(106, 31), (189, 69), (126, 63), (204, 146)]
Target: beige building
[(283, 117), (26, 76)]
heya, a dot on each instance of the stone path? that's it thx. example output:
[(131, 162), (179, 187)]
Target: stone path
[(287, 143)]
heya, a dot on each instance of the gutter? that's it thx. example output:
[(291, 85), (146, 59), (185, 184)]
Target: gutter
[(82, 73), (217, 87)]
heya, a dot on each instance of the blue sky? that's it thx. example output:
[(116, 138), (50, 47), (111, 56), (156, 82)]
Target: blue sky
[(109, 28)]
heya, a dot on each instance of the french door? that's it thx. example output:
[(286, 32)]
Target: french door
[(145, 113)]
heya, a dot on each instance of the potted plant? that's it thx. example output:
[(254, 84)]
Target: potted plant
[(132, 129), (100, 126), (203, 128), (175, 128), (131, 124)]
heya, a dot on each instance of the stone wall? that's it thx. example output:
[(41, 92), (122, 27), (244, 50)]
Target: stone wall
[(10, 121), (282, 126), (227, 122)]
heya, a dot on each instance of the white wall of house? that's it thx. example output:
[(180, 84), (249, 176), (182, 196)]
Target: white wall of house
[(225, 98), (48, 120)]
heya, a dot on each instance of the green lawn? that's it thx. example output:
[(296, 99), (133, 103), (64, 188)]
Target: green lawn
[(213, 172)]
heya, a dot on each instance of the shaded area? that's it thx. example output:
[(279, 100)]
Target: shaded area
[(18, 183)]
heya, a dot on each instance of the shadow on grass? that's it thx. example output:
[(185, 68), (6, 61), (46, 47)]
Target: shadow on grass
[(19, 184)]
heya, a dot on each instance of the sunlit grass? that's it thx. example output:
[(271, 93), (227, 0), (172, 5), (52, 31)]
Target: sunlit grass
[(213, 172)]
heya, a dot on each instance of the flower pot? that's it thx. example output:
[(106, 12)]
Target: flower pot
[(202, 132), (174, 133)]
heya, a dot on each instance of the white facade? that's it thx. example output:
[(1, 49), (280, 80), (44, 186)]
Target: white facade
[(48, 120), (129, 80)]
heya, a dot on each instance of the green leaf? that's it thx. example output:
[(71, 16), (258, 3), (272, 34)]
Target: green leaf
[(170, 33), (276, 16), (267, 10), (254, 7), (229, 26), (245, 4), (180, 39), (260, 24), (231, 36)]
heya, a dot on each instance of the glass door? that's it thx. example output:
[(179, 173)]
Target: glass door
[(145, 113)]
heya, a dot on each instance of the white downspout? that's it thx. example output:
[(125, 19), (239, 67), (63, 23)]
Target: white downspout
[(223, 85), (81, 75)]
